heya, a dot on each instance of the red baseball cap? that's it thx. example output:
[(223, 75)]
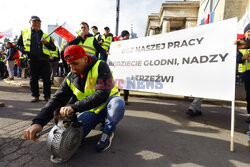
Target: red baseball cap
[(75, 52)]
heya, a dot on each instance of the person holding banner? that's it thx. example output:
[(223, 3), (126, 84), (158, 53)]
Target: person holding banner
[(37, 46), (125, 36), (88, 42), (243, 60)]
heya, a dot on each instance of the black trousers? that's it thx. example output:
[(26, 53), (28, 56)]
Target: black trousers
[(40, 69), (246, 78), (2, 70), (126, 94)]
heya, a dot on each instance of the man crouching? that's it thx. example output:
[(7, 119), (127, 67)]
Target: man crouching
[(96, 96)]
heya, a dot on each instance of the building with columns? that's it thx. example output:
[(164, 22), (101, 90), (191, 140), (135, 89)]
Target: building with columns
[(176, 15), (173, 15), (223, 9)]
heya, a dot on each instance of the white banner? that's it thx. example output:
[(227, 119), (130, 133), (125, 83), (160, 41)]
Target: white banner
[(198, 62)]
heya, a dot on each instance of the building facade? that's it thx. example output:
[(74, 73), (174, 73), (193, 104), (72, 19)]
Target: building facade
[(176, 15), (173, 15)]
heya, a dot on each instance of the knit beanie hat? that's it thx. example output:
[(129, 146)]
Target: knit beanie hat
[(247, 28), (124, 33)]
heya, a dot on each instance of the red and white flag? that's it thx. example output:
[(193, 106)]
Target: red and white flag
[(7, 33), (65, 31), (241, 25)]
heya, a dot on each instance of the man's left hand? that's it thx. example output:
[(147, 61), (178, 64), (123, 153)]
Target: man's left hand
[(66, 111)]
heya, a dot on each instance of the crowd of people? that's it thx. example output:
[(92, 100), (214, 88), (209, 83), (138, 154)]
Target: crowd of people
[(82, 61)]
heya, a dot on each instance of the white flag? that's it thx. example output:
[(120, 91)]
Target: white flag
[(7, 33)]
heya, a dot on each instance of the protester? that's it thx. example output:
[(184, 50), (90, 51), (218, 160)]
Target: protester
[(63, 66), (107, 38), (3, 69), (36, 45), (125, 36), (17, 68), (243, 59), (97, 97), (97, 34), (12, 54), (53, 61), (88, 42)]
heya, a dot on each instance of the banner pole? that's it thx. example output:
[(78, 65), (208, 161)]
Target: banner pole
[(232, 126)]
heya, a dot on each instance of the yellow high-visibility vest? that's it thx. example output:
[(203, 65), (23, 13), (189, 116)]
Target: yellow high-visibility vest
[(90, 88), (54, 53), (88, 46), (26, 34), (243, 67), (107, 42)]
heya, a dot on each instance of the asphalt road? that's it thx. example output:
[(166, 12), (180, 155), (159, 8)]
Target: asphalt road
[(153, 133)]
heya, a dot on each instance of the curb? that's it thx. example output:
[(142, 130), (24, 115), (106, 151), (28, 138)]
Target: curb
[(238, 103)]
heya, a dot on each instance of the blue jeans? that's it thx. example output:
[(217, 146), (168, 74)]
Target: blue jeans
[(114, 112)]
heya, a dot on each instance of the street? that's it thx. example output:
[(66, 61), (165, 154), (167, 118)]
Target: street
[(154, 133)]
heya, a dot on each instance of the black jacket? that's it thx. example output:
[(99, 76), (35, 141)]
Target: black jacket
[(36, 51), (99, 37), (64, 94), (97, 46), (10, 53)]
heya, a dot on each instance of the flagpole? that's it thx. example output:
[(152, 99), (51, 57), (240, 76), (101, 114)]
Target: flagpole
[(232, 126)]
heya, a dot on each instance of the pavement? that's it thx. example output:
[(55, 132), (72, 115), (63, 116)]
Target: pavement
[(155, 132)]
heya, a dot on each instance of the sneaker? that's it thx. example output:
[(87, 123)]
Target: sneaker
[(34, 99), (105, 142), (2, 104), (10, 79), (46, 99), (193, 113)]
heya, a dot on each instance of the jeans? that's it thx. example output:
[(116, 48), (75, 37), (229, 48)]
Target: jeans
[(113, 112), (196, 104), (53, 70), (10, 67), (18, 71)]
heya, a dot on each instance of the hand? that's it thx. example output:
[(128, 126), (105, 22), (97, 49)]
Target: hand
[(107, 53), (245, 56), (66, 111), (51, 58), (82, 34), (240, 44), (44, 40), (30, 132)]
